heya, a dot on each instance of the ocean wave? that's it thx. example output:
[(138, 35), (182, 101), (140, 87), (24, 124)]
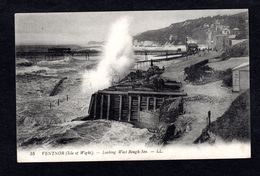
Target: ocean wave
[(44, 63), (41, 70), (23, 62), (64, 61), (122, 133), (96, 132), (32, 69)]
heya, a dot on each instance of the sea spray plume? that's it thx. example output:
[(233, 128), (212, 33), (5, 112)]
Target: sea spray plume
[(117, 58)]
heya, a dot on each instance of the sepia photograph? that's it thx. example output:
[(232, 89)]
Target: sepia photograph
[(132, 85)]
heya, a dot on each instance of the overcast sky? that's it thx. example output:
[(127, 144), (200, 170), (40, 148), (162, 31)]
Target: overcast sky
[(79, 28)]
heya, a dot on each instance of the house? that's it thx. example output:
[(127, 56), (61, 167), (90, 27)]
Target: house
[(222, 42), (205, 25), (226, 30), (240, 77), (232, 36), (236, 31)]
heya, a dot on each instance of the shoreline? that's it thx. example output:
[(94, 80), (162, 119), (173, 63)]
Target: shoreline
[(77, 104)]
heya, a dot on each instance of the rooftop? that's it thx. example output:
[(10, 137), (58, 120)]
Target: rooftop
[(241, 66), (235, 42)]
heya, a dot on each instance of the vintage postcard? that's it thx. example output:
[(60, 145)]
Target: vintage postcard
[(132, 85)]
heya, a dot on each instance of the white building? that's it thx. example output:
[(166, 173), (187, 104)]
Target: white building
[(240, 76), (226, 30)]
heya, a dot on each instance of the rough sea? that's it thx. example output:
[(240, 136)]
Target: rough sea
[(45, 121)]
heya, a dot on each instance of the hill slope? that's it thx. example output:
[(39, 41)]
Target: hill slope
[(235, 123), (195, 28)]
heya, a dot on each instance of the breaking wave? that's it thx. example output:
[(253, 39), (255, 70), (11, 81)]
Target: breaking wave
[(117, 58), (41, 70), (32, 69), (94, 133), (64, 61)]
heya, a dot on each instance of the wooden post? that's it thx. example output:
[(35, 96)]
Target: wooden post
[(91, 104), (154, 103), (120, 107), (58, 102), (209, 114), (101, 106), (147, 103), (129, 108), (95, 106), (138, 106), (50, 104), (108, 106), (67, 98)]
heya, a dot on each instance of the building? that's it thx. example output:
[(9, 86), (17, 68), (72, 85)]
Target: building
[(240, 76), (232, 37), (226, 30), (236, 31), (222, 42), (206, 25)]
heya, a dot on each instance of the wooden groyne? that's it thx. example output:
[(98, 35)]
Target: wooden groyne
[(129, 106), (55, 89), (136, 98)]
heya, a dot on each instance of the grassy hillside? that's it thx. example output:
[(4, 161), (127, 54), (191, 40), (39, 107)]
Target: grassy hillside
[(235, 122), (194, 28)]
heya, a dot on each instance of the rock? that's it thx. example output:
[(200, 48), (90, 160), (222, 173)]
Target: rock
[(167, 130), (206, 136), (163, 134), (169, 134), (170, 110), (33, 141)]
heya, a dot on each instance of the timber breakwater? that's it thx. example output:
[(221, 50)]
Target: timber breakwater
[(136, 99), (56, 87)]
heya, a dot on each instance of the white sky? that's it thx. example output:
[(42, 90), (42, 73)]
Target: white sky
[(79, 28)]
